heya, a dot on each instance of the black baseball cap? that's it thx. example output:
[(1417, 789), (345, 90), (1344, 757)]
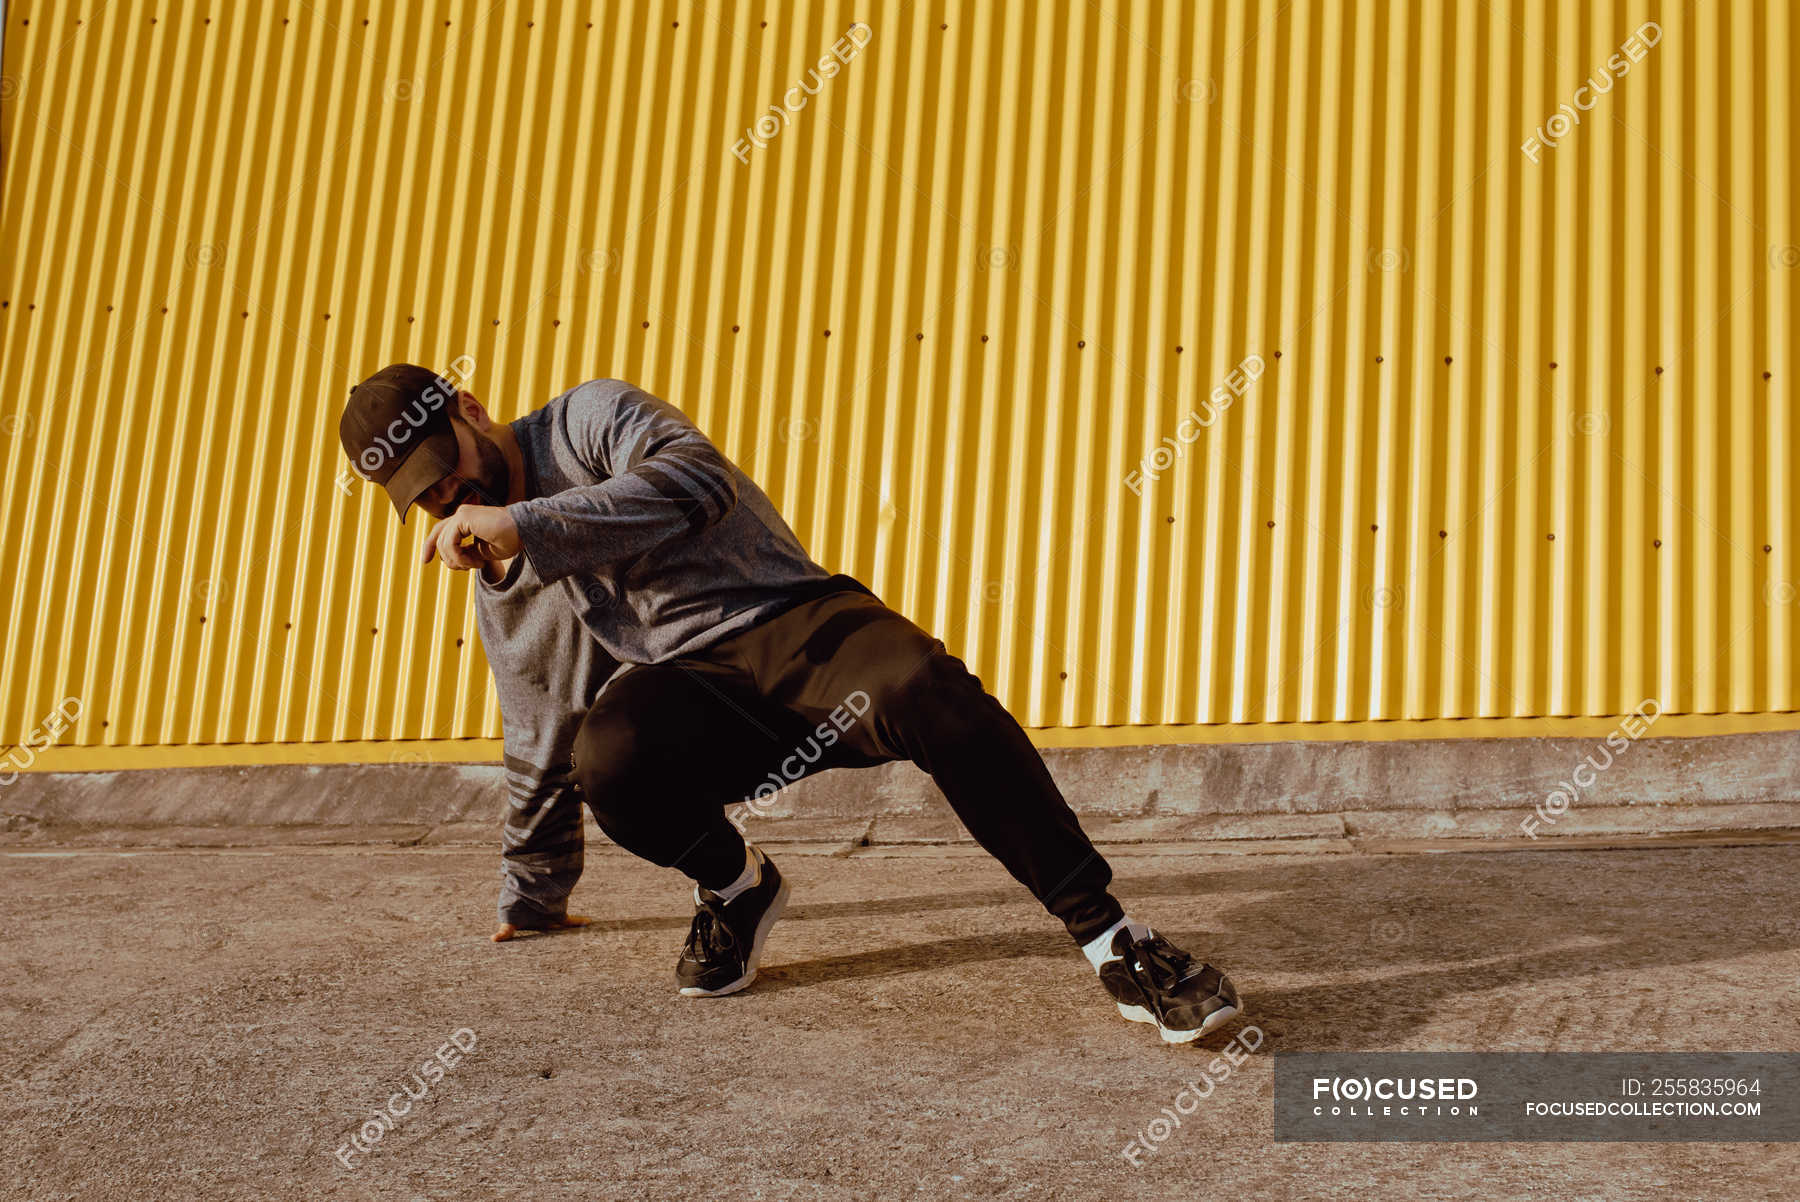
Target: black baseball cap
[(396, 429)]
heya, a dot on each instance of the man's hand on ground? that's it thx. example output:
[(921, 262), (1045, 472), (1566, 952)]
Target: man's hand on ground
[(509, 931), (496, 537)]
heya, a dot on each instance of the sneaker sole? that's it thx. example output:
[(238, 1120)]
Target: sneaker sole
[(1214, 1021), (756, 948)]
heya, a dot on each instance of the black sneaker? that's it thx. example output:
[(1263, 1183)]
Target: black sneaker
[(726, 941), (1156, 982)]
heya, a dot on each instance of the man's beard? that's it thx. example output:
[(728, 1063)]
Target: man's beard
[(495, 483)]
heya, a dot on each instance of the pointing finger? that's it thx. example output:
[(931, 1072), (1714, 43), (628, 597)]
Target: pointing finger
[(431, 540)]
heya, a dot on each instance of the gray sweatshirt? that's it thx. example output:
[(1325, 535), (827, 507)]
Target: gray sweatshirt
[(642, 542)]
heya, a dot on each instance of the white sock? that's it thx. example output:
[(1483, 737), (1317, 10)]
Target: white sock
[(751, 874), (1099, 949)]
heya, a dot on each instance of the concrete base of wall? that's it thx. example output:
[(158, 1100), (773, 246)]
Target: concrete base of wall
[(1426, 789)]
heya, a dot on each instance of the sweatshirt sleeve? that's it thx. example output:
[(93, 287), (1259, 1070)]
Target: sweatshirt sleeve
[(660, 478)]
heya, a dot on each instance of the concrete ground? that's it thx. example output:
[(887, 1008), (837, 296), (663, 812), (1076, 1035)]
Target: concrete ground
[(218, 1022)]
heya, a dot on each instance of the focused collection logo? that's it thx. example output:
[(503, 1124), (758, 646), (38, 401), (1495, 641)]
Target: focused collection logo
[(1394, 1097)]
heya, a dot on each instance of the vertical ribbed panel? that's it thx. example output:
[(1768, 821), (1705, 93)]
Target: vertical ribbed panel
[(1521, 444)]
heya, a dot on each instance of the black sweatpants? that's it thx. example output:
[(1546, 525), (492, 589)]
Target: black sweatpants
[(837, 681)]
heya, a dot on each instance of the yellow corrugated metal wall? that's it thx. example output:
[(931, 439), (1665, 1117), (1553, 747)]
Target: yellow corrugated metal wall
[(1239, 362)]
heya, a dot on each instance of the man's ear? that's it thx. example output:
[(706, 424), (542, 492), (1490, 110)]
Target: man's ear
[(471, 411)]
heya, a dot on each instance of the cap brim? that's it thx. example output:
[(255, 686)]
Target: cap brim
[(434, 458)]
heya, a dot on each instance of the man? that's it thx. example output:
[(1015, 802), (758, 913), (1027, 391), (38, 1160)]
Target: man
[(662, 645)]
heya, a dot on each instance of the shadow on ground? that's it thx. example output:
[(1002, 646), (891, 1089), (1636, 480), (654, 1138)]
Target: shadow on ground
[(921, 1026)]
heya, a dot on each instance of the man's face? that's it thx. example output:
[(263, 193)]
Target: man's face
[(480, 476)]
